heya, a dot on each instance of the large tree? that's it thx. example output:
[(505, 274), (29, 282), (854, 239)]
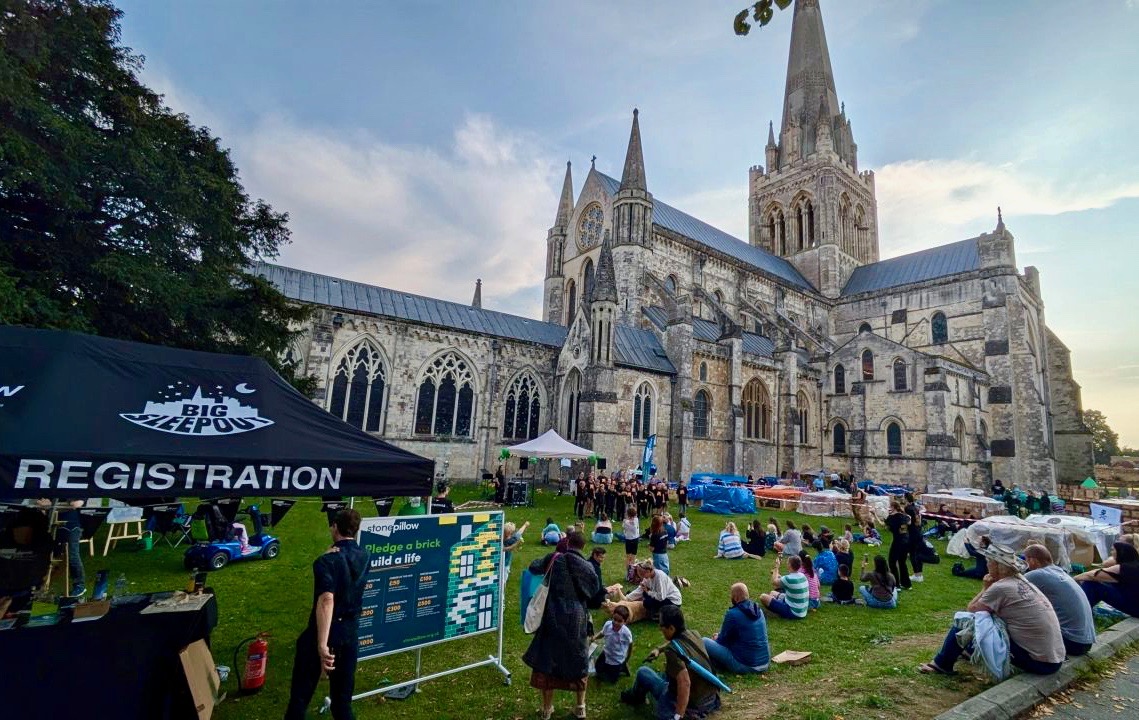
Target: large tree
[(1105, 441), (118, 216)]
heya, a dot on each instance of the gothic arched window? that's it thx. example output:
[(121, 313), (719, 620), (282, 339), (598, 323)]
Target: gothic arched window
[(900, 374), (777, 228), (523, 408), (445, 404), (959, 436), (894, 439), (804, 418), (670, 284), (757, 411), (839, 380), (587, 281), (719, 298), (867, 365), (838, 436), (703, 372), (701, 408), (643, 412), (939, 328), (845, 222), (358, 387), (571, 302), (865, 328), (571, 394)]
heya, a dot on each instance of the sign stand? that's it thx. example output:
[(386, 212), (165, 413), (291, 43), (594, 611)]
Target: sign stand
[(476, 534)]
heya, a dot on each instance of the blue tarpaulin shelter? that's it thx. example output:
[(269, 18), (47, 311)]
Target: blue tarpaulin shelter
[(727, 500)]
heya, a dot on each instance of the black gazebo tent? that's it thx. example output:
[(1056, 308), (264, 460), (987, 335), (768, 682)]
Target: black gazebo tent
[(84, 416)]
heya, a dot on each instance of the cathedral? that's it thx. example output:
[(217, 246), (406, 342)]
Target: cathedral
[(795, 350)]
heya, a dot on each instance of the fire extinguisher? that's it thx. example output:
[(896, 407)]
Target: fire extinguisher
[(256, 662)]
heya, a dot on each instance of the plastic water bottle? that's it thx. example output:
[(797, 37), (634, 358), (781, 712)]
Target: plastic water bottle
[(121, 586)]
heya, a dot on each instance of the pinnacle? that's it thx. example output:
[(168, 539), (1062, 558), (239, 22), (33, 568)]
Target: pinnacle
[(633, 177), (565, 205), (605, 283)]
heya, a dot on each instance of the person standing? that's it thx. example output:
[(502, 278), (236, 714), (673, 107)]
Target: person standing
[(328, 643), (558, 655), (1077, 626), (899, 524), (658, 543), (682, 496), (917, 541)]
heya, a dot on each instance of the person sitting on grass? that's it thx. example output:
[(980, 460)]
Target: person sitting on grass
[(741, 646), (1035, 643), (842, 590), (842, 553), (1077, 625), (871, 536), (1131, 539), (771, 537), (1116, 584), (756, 540), (848, 534), (826, 564), (791, 544), (730, 546), (683, 528), (655, 589), (882, 592), (677, 692), (551, 534), (792, 597), (814, 596), (614, 659), (603, 531), (808, 535)]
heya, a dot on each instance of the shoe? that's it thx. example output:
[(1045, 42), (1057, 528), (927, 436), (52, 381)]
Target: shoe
[(917, 578), (579, 712), (78, 591)]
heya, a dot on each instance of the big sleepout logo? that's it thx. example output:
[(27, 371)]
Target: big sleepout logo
[(8, 391), (201, 413)]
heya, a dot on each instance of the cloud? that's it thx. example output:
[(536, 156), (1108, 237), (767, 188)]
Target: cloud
[(922, 203)]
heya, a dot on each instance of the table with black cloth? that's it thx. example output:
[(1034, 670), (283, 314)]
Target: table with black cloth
[(122, 665)]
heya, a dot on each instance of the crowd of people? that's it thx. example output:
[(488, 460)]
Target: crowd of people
[(1032, 606)]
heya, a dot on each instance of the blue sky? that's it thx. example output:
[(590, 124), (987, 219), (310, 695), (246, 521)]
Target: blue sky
[(420, 145)]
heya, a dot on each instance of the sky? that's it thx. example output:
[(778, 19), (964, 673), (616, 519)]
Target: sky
[(421, 145)]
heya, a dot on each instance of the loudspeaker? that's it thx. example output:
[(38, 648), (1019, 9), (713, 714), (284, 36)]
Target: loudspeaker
[(600, 463), (524, 463)]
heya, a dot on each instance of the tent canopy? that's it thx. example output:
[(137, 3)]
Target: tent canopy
[(84, 416), (550, 445)]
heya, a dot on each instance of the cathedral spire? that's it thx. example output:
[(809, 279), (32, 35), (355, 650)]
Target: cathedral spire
[(810, 80), (605, 282), (770, 134), (565, 205), (633, 178), (476, 302)]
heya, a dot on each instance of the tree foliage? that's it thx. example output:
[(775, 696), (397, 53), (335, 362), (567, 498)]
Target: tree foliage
[(761, 12), (118, 216), (1105, 441)]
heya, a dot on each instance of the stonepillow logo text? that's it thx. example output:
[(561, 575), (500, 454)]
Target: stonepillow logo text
[(7, 391), (202, 413), (400, 526)]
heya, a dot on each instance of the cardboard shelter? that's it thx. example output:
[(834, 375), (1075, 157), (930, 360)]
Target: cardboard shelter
[(84, 416)]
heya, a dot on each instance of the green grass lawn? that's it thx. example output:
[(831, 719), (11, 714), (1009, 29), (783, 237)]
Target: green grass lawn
[(864, 663)]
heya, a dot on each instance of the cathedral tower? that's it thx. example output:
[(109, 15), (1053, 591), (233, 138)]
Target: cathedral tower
[(552, 310), (810, 204), (632, 228)]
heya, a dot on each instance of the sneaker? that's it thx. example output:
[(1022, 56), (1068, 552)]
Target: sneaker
[(917, 578), (78, 591)]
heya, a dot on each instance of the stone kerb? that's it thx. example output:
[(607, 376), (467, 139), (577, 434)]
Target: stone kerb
[(1022, 692)]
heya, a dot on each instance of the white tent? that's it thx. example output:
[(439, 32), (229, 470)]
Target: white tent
[(550, 445)]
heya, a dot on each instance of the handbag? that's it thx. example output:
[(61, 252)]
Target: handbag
[(537, 607)]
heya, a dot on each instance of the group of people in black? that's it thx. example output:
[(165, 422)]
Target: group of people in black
[(612, 496), (905, 524)]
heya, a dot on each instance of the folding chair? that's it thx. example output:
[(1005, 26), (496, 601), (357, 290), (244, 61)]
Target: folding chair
[(90, 520), (171, 520)]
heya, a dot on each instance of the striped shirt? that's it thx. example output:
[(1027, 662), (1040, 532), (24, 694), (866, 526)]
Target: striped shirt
[(730, 546), (796, 593)]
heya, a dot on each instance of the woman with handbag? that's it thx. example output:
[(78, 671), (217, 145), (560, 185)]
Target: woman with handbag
[(558, 655)]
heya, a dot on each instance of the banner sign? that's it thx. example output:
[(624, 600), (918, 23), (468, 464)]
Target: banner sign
[(431, 578), (1106, 514)]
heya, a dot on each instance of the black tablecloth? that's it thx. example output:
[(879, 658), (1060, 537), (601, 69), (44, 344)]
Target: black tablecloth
[(123, 665)]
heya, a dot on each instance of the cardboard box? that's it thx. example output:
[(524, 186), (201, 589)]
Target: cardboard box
[(202, 677)]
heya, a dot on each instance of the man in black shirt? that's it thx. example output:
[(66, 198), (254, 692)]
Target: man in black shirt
[(329, 641), (441, 503)]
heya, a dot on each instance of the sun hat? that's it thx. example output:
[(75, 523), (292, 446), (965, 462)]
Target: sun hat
[(1003, 555)]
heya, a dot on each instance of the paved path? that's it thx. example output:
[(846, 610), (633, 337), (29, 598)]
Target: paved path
[(1116, 697)]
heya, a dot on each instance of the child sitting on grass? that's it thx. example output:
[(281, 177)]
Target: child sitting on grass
[(848, 534), (813, 596), (614, 659), (551, 534), (872, 537), (842, 591), (683, 528), (827, 564)]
